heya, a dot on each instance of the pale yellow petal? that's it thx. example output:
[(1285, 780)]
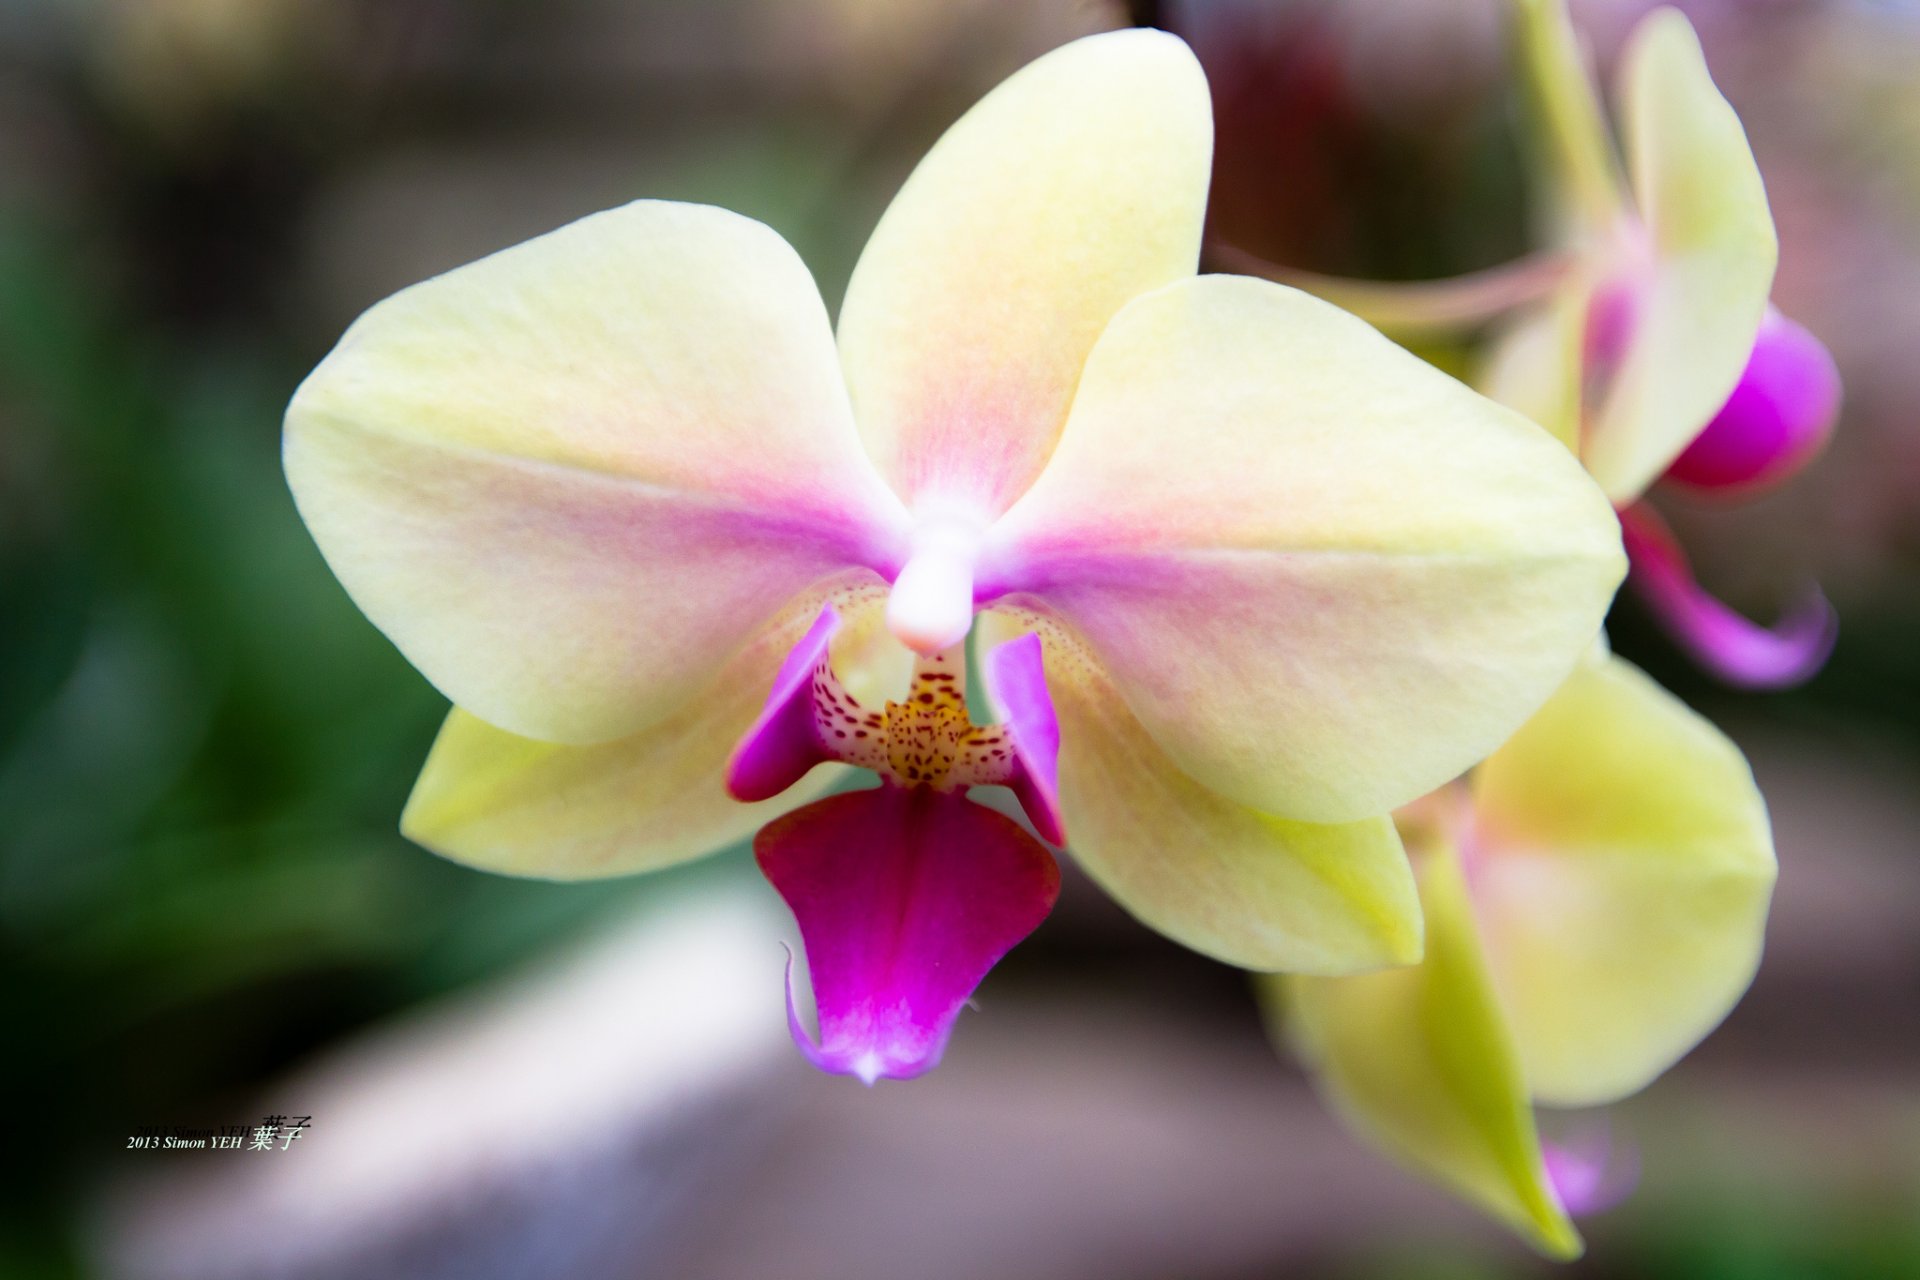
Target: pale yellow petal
[(1623, 869), (1574, 143), (1534, 367), (1420, 1060), (570, 479), (509, 804), (1244, 887), (1325, 576), (1711, 240), (1077, 184)]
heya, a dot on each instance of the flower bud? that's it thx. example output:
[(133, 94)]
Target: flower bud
[(1778, 417)]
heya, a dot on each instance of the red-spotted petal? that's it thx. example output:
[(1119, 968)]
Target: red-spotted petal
[(905, 897)]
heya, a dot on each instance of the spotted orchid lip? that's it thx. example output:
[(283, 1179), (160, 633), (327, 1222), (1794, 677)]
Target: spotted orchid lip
[(906, 895)]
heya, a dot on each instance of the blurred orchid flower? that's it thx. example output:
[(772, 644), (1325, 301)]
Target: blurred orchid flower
[(1642, 337), (1253, 575), (1595, 896), (1659, 355)]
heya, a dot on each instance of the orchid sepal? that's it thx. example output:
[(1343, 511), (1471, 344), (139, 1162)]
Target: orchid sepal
[(1422, 1061)]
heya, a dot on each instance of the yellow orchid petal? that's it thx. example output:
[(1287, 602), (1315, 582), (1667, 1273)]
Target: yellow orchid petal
[(1534, 366), (1244, 887), (515, 805), (1325, 576), (1623, 868), (1420, 1060), (1077, 184), (570, 479), (1699, 303), (1575, 141)]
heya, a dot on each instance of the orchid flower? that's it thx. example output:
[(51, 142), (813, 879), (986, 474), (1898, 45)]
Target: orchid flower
[(1595, 895), (1642, 336), (1660, 356), (1251, 574)]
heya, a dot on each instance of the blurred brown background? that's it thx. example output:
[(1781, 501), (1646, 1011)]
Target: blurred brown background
[(206, 915)]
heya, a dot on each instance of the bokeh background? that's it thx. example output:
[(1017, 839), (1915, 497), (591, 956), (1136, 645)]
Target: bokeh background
[(206, 913)]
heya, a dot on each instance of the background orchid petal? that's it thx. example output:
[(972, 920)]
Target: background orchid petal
[(1534, 365), (1078, 183), (1574, 142), (1422, 1062), (1326, 576), (905, 898), (1736, 649), (1243, 887), (570, 479), (1779, 417), (1622, 869), (504, 803), (1700, 300)]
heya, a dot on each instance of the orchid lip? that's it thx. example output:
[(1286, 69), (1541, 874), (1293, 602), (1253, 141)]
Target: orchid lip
[(784, 743), (905, 897), (907, 894), (1016, 674), (1739, 651), (927, 739)]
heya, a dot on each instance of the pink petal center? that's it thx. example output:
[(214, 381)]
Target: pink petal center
[(931, 605), (925, 740)]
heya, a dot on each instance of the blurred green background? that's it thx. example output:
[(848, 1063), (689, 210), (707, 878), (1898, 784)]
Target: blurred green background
[(204, 747)]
